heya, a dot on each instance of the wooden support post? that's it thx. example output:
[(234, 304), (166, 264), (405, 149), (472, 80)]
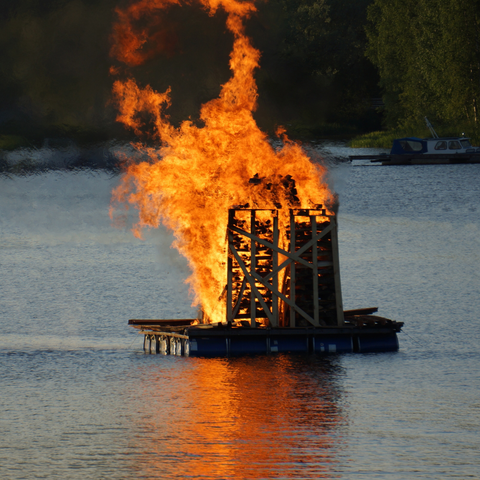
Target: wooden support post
[(230, 275), (292, 268), (253, 265), (275, 299), (336, 273), (313, 222), (239, 299)]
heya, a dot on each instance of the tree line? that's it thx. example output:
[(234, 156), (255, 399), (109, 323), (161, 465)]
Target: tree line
[(428, 57), (323, 61), (314, 76)]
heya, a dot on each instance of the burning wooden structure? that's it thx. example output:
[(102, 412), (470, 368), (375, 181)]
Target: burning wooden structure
[(283, 294), (302, 288)]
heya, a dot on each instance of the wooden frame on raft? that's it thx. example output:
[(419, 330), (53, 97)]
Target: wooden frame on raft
[(257, 266)]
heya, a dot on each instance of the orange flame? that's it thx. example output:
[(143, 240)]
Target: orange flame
[(199, 173)]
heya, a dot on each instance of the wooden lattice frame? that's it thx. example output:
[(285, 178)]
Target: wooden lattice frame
[(293, 257)]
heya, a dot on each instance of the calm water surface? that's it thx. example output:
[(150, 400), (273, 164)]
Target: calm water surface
[(79, 399)]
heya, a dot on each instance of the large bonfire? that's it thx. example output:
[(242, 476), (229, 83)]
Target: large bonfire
[(196, 174)]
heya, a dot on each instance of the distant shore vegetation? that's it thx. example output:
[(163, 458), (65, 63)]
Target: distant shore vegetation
[(428, 58), (385, 138), (368, 70)]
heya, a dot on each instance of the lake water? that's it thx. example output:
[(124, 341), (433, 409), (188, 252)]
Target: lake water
[(79, 399)]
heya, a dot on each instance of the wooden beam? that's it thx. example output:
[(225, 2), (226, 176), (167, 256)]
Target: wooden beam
[(287, 300), (275, 298), (292, 269), (253, 266), (237, 305), (336, 274), (167, 323), (360, 311), (251, 278), (291, 257), (230, 315), (313, 223), (251, 281)]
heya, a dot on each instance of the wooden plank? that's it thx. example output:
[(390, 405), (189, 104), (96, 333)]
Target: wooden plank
[(292, 269), (360, 311), (297, 255), (253, 265), (313, 222), (299, 252), (275, 299), (294, 259), (163, 322), (230, 315), (239, 299), (336, 274)]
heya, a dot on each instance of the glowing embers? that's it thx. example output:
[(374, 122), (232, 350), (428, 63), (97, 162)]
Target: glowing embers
[(283, 272)]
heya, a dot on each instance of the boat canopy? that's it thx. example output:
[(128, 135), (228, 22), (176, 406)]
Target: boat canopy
[(408, 146)]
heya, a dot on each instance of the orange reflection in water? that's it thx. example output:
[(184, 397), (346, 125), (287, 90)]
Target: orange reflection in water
[(261, 417)]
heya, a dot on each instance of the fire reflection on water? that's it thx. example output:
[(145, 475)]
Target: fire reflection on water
[(265, 417)]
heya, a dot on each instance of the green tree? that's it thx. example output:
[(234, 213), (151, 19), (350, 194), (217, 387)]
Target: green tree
[(428, 56), (327, 40)]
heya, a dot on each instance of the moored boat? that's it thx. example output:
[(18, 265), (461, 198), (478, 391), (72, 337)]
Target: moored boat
[(425, 151)]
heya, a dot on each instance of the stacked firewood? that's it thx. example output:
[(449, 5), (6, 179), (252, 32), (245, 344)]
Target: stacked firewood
[(304, 276), (262, 265), (282, 189)]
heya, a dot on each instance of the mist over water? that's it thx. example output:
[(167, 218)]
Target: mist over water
[(80, 399)]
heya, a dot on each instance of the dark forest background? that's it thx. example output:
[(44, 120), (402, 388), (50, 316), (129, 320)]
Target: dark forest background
[(54, 66), (324, 65)]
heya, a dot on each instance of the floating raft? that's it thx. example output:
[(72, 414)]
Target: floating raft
[(278, 298), (361, 332)]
